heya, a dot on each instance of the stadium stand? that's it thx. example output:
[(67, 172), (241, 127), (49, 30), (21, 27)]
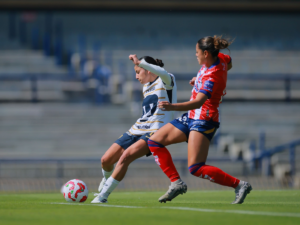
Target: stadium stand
[(61, 56)]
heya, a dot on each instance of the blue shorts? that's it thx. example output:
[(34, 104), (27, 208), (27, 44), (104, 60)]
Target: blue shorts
[(128, 139), (186, 125)]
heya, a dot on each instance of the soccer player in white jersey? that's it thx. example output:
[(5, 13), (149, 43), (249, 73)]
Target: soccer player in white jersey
[(159, 85)]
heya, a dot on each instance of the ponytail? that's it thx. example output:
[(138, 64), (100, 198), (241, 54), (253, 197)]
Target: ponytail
[(221, 43), (150, 60), (214, 44), (159, 62)]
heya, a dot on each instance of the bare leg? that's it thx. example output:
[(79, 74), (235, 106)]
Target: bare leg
[(135, 151), (111, 156), (197, 153), (198, 146), (168, 135)]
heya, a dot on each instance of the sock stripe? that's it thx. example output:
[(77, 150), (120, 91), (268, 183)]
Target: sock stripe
[(154, 144), (194, 168)]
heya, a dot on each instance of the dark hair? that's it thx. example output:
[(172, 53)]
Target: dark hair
[(214, 44), (149, 59)]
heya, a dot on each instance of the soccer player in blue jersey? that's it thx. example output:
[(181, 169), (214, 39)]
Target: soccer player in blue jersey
[(159, 85)]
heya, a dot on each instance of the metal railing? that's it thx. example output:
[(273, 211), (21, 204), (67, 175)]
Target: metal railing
[(263, 157), (97, 97), (147, 176), (60, 162)]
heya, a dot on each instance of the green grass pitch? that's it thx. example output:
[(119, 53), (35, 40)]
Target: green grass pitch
[(202, 207)]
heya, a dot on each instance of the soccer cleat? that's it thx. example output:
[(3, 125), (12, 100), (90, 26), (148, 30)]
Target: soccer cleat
[(99, 199), (101, 185), (176, 188), (241, 193)]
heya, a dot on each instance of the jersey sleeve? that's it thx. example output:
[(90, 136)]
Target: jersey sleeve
[(209, 85), (159, 71), (225, 57)]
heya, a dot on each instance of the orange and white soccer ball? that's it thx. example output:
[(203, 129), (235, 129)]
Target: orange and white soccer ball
[(75, 191)]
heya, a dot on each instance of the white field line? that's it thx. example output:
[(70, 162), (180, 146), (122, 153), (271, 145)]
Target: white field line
[(192, 209), (103, 205), (237, 212)]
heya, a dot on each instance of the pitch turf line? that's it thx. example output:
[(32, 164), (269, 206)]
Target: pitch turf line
[(103, 205), (256, 213), (237, 212)]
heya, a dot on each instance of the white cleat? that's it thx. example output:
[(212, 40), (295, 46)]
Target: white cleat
[(99, 199), (241, 193), (101, 185)]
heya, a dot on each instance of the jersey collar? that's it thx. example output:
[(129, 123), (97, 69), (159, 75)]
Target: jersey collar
[(216, 63), (153, 81)]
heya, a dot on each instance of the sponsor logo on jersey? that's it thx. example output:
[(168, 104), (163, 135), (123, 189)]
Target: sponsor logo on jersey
[(198, 122), (143, 127), (183, 119), (149, 90), (208, 85)]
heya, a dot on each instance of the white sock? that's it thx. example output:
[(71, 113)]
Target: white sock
[(240, 184), (109, 186), (106, 174)]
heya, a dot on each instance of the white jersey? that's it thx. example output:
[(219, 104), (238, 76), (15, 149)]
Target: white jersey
[(162, 89)]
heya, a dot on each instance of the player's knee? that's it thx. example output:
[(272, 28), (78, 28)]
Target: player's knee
[(126, 158), (156, 139), (195, 169), (105, 161)]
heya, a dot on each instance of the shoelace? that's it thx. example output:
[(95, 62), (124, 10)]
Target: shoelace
[(96, 194)]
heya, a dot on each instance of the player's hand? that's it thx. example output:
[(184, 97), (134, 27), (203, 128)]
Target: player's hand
[(192, 81), (165, 106), (134, 59)]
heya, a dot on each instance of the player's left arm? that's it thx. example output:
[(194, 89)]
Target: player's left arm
[(227, 59), (229, 66)]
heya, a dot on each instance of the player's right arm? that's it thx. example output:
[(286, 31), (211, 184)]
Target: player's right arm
[(157, 70), (192, 81)]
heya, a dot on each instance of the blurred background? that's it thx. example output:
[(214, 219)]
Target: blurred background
[(68, 90)]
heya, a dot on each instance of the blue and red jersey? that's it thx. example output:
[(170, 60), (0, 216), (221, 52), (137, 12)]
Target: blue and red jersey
[(211, 82)]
